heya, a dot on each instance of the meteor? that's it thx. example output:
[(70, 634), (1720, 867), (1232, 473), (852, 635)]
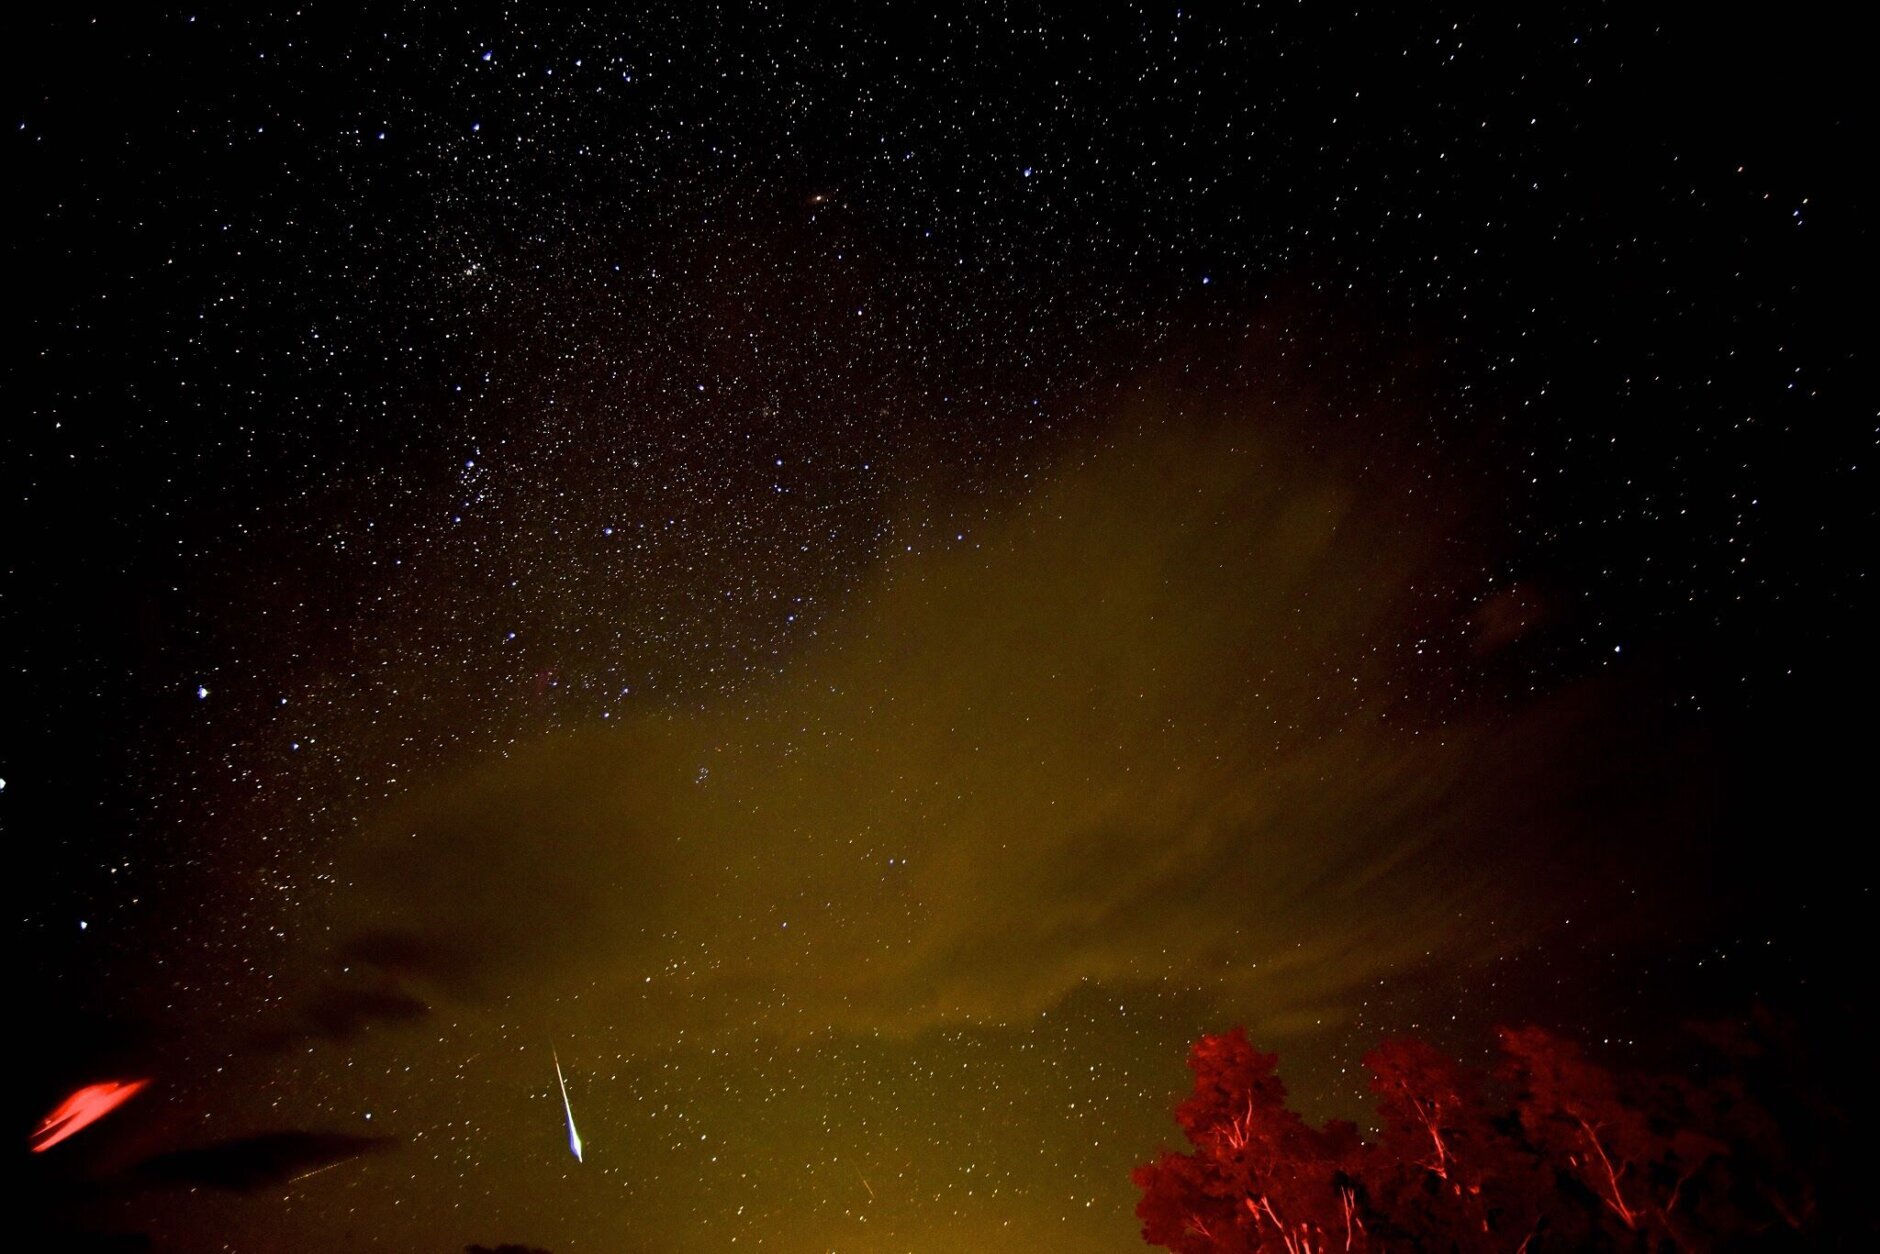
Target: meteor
[(84, 1108), (316, 1171), (574, 1138)]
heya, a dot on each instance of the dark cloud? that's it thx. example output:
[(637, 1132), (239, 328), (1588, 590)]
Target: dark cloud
[(1198, 710), (257, 1162), (339, 1011)]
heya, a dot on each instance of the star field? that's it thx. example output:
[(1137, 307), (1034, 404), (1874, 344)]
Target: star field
[(865, 575)]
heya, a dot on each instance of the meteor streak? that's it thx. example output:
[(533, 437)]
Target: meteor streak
[(316, 1171), (574, 1138)]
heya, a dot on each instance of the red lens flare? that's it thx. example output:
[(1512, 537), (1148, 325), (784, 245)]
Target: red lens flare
[(82, 1109)]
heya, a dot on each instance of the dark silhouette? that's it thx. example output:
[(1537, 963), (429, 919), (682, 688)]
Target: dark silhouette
[(1549, 1151), (258, 1162)]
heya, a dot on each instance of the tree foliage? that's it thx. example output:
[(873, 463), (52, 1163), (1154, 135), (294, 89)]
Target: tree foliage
[(1546, 1151)]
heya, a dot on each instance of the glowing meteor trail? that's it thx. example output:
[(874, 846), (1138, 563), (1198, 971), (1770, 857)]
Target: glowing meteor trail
[(574, 1138), (82, 1109)]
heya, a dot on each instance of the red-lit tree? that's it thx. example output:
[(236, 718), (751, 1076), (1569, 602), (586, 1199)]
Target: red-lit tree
[(1550, 1152), (1259, 1177), (1631, 1152), (1441, 1173)]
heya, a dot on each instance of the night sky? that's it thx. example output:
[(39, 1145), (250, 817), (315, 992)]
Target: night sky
[(860, 578)]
